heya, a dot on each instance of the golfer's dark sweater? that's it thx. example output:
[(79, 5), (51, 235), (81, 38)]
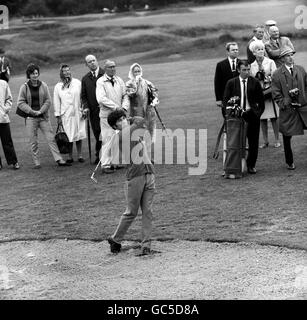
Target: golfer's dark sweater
[(138, 146)]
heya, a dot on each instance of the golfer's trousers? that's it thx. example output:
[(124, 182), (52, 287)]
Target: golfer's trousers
[(139, 192), (33, 124), (7, 143)]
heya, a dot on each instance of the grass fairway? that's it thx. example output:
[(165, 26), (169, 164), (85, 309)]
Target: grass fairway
[(58, 203), (54, 202)]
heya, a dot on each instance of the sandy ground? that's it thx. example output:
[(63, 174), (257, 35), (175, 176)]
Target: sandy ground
[(59, 269)]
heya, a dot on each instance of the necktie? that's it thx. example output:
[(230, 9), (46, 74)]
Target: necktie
[(291, 70), (94, 75), (112, 81), (244, 95), (233, 66), (277, 42)]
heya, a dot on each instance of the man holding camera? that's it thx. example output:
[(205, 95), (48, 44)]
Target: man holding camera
[(251, 99), (289, 90)]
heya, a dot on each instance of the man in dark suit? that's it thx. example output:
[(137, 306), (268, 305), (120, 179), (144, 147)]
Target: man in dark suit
[(225, 70), (88, 97), (249, 90)]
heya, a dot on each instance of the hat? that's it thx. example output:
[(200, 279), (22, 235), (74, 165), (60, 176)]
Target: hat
[(286, 50), (270, 23)]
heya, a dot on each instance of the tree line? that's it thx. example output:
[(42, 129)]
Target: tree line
[(73, 7)]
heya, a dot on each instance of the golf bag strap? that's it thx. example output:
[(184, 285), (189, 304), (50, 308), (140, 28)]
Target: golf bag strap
[(216, 153)]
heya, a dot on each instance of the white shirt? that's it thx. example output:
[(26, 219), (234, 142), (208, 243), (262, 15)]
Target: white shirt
[(95, 72), (242, 94), (230, 61), (288, 68)]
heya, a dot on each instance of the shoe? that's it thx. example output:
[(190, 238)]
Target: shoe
[(64, 164), (37, 166), (96, 161), (108, 170), (70, 161), (263, 146), (277, 145), (291, 166), (223, 174), (81, 159), (114, 246), (144, 252), (251, 170), (16, 166)]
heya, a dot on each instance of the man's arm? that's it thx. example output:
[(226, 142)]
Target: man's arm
[(272, 53), (277, 94), (217, 85)]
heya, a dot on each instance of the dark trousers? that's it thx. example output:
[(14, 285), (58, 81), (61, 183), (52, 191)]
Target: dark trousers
[(288, 149), (253, 129), (7, 143), (95, 124)]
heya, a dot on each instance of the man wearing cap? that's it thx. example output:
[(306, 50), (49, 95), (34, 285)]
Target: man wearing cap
[(88, 97), (111, 95), (276, 45), (268, 24), (289, 90), (258, 35)]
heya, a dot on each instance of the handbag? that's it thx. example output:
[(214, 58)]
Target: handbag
[(61, 139), (21, 113)]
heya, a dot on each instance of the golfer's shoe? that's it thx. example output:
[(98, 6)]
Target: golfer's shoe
[(114, 246)]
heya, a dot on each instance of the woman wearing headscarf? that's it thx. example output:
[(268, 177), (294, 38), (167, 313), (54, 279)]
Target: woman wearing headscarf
[(262, 69), (34, 99), (68, 110), (139, 90)]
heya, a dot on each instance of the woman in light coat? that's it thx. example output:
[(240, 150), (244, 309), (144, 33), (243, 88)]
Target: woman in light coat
[(5, 131), (263, 69), (68, 110), (34, 99)]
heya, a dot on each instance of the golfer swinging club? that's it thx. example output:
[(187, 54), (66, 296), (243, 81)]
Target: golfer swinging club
[(140, 181)]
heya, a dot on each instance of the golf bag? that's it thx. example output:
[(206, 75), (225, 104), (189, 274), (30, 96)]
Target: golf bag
[(234, 160)]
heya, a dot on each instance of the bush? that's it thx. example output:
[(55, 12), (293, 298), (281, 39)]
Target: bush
[(35, 8)]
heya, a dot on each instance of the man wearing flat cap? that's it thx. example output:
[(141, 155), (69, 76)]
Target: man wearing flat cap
[(111, 95), (289, 90), (276, 45)]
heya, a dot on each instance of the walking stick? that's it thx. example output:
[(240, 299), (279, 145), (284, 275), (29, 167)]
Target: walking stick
[(162, 124), (89, 139)]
